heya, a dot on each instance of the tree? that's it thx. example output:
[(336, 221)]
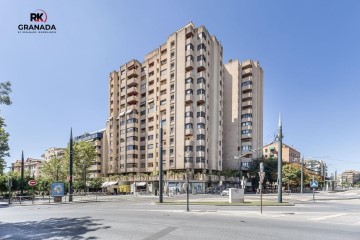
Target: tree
[(84, 155), (96, 183), (291, 175), (55, 169), (270, 169), (5, 90)]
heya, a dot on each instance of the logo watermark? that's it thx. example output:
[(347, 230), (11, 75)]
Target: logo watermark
[(38, 23)]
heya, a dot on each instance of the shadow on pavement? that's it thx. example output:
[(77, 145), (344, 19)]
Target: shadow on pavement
[(53, 228)]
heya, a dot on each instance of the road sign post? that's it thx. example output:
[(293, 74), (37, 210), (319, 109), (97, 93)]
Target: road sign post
[(261, 176), (32, 183), (314, 184)]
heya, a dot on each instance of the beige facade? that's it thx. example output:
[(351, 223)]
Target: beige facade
[(350, 177), (54, 151), (98, 138), (289, 154), (32, 167), (180, 83), (243, 113)]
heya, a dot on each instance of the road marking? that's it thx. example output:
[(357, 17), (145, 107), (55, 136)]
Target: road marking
[(358, 223), (161, 233), (328, 216)]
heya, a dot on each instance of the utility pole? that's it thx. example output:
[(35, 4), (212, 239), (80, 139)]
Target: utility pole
[(279, 199), (302, 175), (187, 180), (71, 167), (161, 164), (22, 174)]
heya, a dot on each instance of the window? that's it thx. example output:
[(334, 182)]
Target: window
[(142, 148), (143, 112), (200, 148), (150, 137), (163, 102), (163, 72), (188, 159), (247, 115), (143, 69), (201, 80), (189, 114), (133, 129), (200, 159), (188, 148), (150, 146), (150, 155), (201, 58), (131, 120), (188, 126), (172, 66), (201, 46), (189, 92), (200, 114), (132, 138), (132, 147), (188, 80), (200, 91), (202, 35), (246, 131), (172, 54), (247, 83), (246, 124), (189, 58), (200, 125), (246, 148), (200, 137), (189, 46), (172, 44)]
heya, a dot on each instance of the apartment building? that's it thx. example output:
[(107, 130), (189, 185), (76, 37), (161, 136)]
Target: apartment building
[(179, 84), (350, 177), (32, 167), (99, 165), (53, 152), (243, 113), (316, 167), (289, 154)]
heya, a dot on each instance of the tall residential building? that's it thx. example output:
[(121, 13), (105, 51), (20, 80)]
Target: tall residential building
[(316, 167), (53, 152), (243, 113), (181, 84), (289, 154), (99, 165), (32, 167)]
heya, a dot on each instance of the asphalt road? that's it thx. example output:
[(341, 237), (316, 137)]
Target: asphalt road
[(129, 217)]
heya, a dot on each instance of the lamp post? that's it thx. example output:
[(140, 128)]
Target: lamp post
[(187, 180), (239, 164)]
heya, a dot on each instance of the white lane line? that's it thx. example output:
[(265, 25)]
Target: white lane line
[(328, 216), (358, 223)]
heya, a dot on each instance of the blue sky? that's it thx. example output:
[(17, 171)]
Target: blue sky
[(309, 50)]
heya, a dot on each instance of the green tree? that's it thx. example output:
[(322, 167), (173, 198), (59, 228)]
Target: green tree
[(291, 175), (55, 169), (5, 90), (270, 169), (96, 183), (84, 155)]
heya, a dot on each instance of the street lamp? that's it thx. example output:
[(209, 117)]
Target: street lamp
[(239, 164)]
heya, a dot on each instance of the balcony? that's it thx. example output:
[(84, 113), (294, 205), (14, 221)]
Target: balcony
[(163, 107), (247, 72), (201, 108), (246, 135), (201, 98), (132, 82), (189, 165), (189, 75), (247, 103), (188, 131), (134, 124), (189, 52), (201, 131), (132, 100), (200, 154), (246, 127), (201, 120), (132, 73), (188, 86), (134, 151), (189, 65), (200, 142), (132, 91), (247, 95), (189, 120), (189, 108), (94, 167), (189, 98), (247, 87), (246, 111), (189, 142), (200, 86), (246, 64)]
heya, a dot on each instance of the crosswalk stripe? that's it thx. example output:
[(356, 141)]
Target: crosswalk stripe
[(327, 217)]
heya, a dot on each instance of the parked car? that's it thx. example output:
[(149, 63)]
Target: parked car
[(225, 192)]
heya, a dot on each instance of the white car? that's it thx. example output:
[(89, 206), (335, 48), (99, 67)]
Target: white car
[(225, 192)]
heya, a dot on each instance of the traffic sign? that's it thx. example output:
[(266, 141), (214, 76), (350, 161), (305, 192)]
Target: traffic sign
[(314, 184), (262, 176), (32, 182)]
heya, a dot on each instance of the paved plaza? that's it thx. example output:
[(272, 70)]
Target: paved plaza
[(333, 216)]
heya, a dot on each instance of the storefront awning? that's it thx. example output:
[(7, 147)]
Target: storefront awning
[(140, 184), (108, 184)]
